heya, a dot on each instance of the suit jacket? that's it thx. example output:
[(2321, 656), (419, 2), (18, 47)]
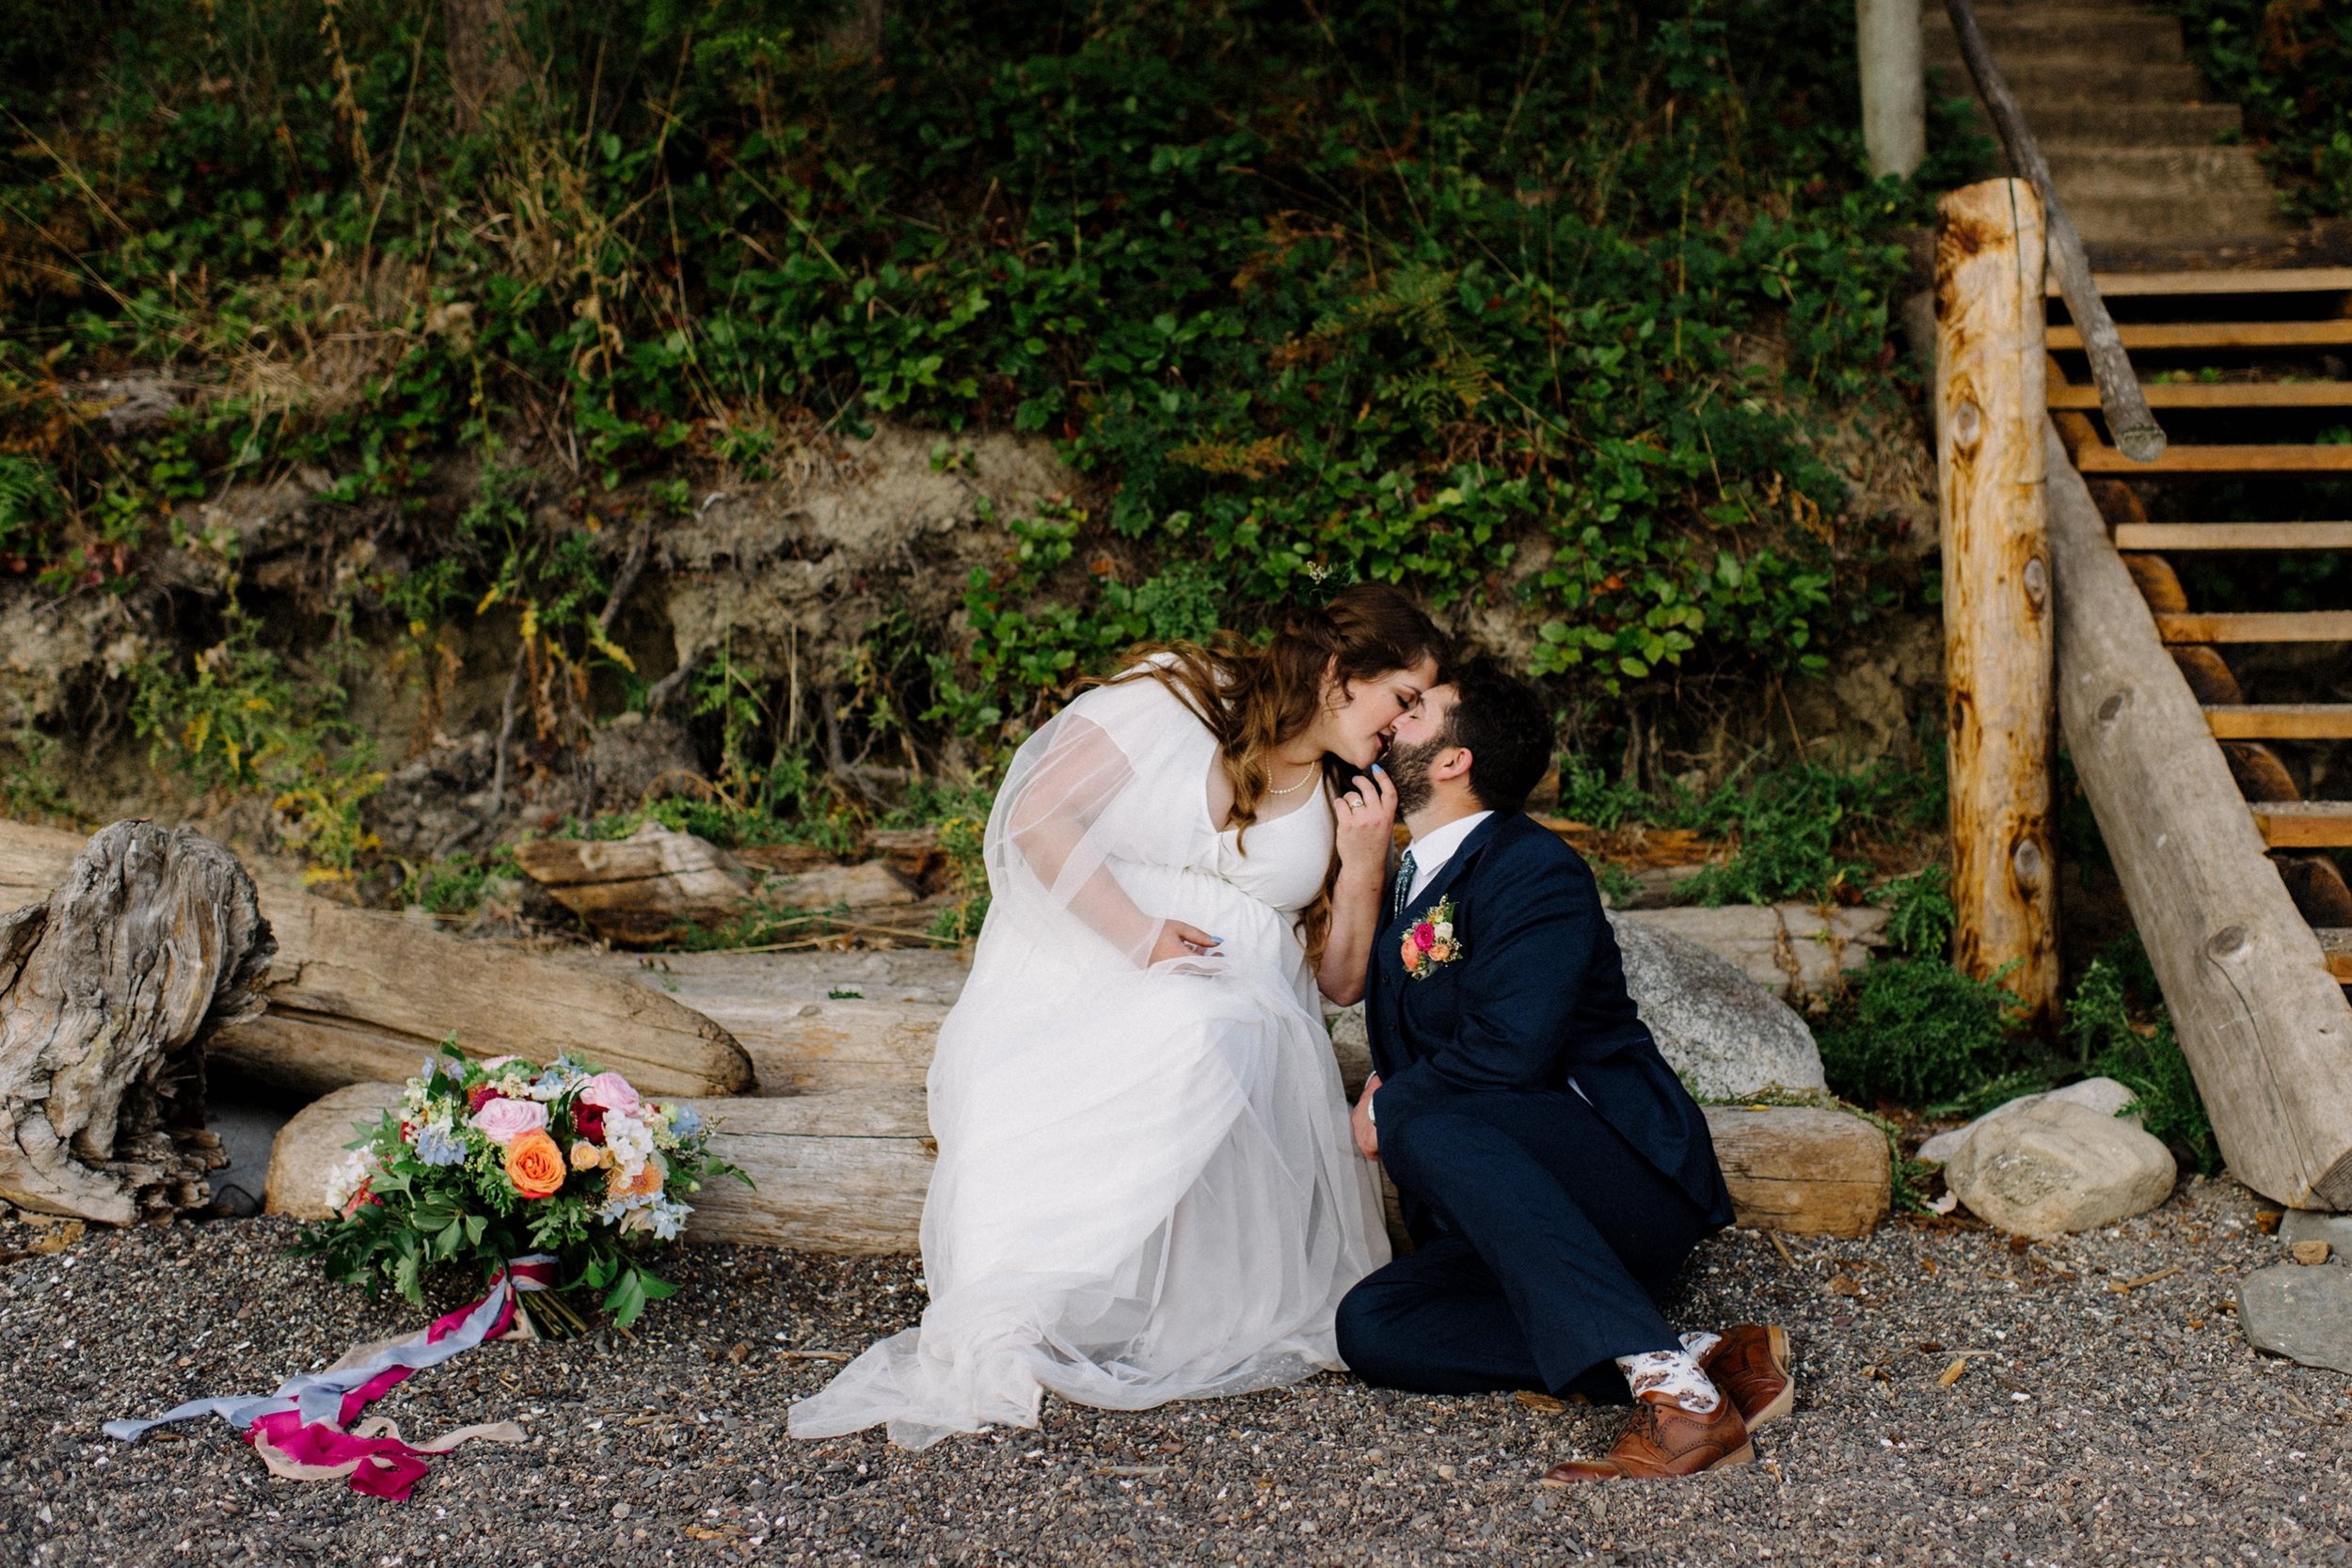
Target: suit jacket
[(1536, 998)]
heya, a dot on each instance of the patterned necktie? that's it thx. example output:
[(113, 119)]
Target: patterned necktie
[(1404, 885)]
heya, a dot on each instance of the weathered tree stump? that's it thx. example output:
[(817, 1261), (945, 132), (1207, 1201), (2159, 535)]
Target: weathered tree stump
[(107, 993)]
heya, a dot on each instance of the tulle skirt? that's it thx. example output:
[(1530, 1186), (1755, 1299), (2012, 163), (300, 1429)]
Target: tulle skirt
[(1146, 1188)]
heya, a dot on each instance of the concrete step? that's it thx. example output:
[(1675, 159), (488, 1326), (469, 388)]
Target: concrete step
[(2142, 221), (2061, 31), (2188, 173), (2148, 125), (2095, 79)]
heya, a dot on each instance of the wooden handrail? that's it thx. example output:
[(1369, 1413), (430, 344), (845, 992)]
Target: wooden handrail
[(2137, 432)]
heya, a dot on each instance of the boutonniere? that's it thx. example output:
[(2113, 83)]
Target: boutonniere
[(1431, 941)]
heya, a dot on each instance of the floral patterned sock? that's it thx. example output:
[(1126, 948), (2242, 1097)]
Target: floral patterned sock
[(1673, 1373), (1698, 1341)]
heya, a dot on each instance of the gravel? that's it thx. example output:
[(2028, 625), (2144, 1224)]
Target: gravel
[(2092, 1424)]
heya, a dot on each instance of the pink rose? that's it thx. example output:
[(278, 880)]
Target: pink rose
[(503, 1120), (1424, 936), (611, 1091)]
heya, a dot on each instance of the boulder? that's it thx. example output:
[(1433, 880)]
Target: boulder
[(2056, 1166), (1725, 1035), (2302, 1313), (2103, 1095), (1791, 950)]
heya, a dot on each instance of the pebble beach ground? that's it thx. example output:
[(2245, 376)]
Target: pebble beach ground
[(2107, 1412)]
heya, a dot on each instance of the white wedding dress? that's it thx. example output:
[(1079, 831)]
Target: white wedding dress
[(1146, 1187)]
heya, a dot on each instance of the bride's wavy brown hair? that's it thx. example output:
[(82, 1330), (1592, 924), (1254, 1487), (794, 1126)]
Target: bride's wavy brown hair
[(1253, 699)]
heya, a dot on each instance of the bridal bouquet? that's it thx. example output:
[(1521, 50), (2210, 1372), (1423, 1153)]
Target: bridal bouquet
[(542, 1178), (489, 1162)]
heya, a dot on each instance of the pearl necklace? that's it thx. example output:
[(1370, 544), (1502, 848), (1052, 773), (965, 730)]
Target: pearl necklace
[(1312, 770)]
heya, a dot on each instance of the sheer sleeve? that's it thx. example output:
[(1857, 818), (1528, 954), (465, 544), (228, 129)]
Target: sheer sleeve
[(1048, 864)]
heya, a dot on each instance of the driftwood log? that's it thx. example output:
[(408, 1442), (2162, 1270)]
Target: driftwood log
[(109, 991), (356, 996), (842, 1172), (657, 885), (2261, 1018), (846, 1171)]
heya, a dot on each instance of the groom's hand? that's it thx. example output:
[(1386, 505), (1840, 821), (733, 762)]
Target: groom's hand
[(1366, 814), (1367, 1136)]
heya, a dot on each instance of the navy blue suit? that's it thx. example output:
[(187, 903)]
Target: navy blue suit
[(1554, 1172)]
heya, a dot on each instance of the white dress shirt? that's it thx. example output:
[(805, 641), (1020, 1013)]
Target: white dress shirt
[(1434, 848)]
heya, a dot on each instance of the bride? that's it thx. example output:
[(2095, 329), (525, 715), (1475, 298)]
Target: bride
[(1146, 1187)]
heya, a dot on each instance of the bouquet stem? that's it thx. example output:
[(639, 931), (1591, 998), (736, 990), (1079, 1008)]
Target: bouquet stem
[(551, 1316)]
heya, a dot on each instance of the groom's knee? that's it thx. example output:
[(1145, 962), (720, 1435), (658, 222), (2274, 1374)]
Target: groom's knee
[(1366, 1331), (1424, 1150)]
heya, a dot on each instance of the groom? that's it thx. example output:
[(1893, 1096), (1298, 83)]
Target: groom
[(1553, 1171)]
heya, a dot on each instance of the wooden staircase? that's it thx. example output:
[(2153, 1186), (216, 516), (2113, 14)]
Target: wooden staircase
[(2124, 119), (2251, 373)]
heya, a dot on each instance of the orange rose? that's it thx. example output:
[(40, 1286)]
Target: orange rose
[(534, 1164)]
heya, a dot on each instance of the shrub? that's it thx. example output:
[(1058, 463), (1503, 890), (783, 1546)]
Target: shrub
[(1919, 1033), (2123, 1033)]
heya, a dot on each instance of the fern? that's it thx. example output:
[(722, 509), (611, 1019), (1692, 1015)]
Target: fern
[(28, 497)]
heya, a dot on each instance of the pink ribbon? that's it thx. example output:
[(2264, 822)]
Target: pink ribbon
[(301, 1435)]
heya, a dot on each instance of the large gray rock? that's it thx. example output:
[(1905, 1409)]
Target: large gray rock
[(2104, 1095), (1789, 949), (2303, 1313), (2055, 1166), (1724, 1034)]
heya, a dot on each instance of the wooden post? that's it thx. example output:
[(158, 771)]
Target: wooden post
[(1998, 638), (1894, 86)]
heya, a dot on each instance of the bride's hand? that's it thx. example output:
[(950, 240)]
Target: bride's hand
[(1367, 814), (1179, 941)]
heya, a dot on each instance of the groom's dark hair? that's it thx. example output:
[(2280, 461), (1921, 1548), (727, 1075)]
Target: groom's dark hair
[(1504, 723)]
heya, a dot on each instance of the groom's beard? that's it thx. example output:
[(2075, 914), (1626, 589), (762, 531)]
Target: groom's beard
[(1407, 767)]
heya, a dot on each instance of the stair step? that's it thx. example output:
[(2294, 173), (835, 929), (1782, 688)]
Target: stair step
[(2120, 124), (2097, 457), (2303, 626), (2270, 280), (2091, 80), (2163, 537), (2289, 334), (2060, 34), (2178, 173), (2304, 824), (2220, 394), (2279, 720), (2138, 222)]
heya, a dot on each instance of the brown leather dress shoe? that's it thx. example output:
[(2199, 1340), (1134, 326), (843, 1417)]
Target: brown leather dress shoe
[(1750, 1364), (1664, 1439)]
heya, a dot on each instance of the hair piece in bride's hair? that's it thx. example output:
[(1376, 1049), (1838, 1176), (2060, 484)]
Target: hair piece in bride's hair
[(1255, 699)]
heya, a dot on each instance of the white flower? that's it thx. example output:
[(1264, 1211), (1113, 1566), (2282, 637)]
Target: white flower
[(344, 1180), (1445, 930), (631, 1142)]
